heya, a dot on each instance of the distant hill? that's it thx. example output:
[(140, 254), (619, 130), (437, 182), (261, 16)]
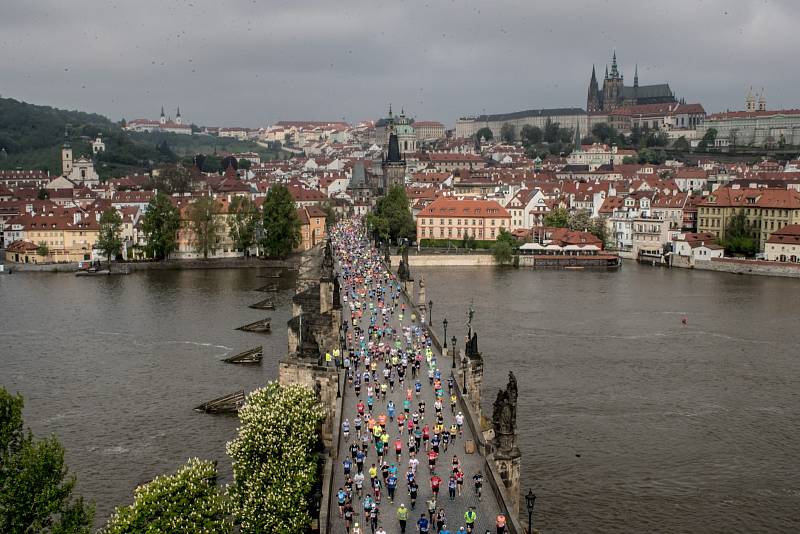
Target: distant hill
[(31, 137), (25, 127)]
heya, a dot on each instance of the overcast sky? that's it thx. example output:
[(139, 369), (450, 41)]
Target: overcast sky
[(254, 62)]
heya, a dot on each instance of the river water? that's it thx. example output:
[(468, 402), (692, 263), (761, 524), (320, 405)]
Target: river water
[(629, 420), (114, 366)]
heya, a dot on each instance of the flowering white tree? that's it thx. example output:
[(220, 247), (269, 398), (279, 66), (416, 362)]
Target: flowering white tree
[(274, 464), (188, 501)]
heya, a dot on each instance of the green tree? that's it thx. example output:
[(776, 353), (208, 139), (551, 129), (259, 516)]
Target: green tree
[(109, 240), (531, 135), (650, 155), (557, 218), (35, 485), (281, 224), (739, 235), (188, 501), (173, 179), (392, 216), (627, 160), (681, 144), (245, 164), (243, 219), (468, 241), (485, 133), (508, 133), (566, 135), (203, 215), (160, 226), (274, 460), (551, 131), (708, 139), (607, 134), (42, 249), (330, 214), (579, 220), (598, 227), (504, 247)]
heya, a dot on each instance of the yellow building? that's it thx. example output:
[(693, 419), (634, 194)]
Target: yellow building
[(68, 238), (312, 226), (767, 210)]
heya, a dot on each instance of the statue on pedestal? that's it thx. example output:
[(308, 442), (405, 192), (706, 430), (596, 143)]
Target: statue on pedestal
[(504, 416)]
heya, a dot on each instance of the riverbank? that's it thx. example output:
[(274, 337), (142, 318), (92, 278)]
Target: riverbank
[(169, 265), (735, 266)]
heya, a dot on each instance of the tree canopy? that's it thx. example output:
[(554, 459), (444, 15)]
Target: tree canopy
[(531, 135), (739, 235), (508, 133), (109, 240), (205, 224), (392, 220), (36, 489), (281, 224), (485, 133), (504, 247), (160, 225), (243, 221), (187, 501), (557, 218)]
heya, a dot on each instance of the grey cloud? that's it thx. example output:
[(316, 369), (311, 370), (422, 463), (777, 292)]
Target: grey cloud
[(251, 62)]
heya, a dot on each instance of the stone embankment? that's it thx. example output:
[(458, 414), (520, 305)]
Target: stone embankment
[(169, 265)]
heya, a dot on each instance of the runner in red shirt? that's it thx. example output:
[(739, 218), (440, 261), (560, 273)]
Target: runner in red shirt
[(432, 459), (436, 481)]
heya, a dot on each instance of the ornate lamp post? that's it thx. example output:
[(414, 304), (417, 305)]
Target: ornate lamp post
[(530, 501), (430, 311), (464, 372), (444, 324), (454, 352)]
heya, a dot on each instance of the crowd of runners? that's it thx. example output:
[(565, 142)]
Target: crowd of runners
[(393, 442)]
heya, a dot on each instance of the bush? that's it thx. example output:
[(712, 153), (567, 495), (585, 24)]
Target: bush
[(188, 501), (274, 460)]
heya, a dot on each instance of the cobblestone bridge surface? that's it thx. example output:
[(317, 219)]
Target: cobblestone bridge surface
[(486, 508)]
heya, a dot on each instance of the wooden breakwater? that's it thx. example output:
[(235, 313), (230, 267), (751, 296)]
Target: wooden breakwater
[(249, 356), (266, 304), (261, 326), (226, 404)]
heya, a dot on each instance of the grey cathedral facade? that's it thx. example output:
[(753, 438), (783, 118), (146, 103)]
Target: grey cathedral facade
[(615, 94)]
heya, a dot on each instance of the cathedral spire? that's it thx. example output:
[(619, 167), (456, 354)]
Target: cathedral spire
[(636, 76), (614, 69), (606, 77), (594, 77)]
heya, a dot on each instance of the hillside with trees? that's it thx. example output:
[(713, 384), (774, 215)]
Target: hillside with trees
[(31, 137)]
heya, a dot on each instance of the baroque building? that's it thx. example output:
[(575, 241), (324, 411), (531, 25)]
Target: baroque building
[(615, 94)]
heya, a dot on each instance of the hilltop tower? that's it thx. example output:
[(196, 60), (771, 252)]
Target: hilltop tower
[(762, 101), (163, 119), (66, 156), (178, 119)]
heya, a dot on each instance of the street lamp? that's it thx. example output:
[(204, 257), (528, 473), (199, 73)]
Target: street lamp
[(464, 372), (444, 324), (454, 352), (530, 501), (430, 311)]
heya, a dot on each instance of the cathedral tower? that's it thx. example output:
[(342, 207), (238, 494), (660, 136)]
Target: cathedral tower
[(593, 103)]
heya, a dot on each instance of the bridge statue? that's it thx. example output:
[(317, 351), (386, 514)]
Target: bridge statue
[(504, 416), (507, 457)]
